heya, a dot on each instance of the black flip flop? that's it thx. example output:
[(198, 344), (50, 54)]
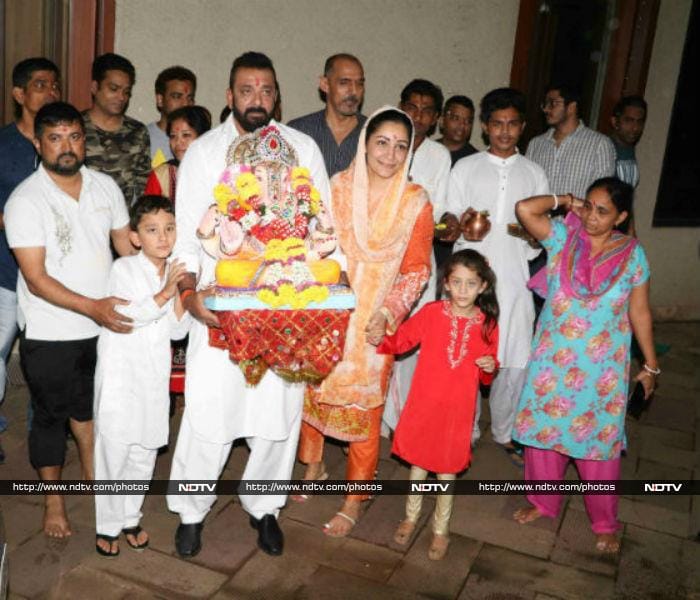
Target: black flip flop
[(135, 532), (106, 538)]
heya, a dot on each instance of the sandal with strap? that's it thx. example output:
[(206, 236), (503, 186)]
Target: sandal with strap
[(353, 522), (404, 531), (438, 547), (135, 532), (515, 454), (106, 538), (300, 498)]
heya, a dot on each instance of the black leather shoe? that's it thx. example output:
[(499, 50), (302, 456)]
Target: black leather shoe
[(188, 539), (270, 536)]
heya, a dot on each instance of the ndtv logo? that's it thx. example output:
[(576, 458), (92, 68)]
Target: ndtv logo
[(430, 487), (663, 487), (196, 487)]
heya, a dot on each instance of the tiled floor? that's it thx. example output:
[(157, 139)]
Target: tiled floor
[(490, 555)]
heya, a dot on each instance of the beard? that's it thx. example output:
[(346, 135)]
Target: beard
[(252, 118), (64, 169)]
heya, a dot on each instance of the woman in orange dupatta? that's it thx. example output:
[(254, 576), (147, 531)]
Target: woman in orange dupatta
[(385, 229)]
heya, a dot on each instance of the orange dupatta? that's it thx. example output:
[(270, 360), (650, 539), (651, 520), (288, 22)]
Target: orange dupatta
[(374, 242)]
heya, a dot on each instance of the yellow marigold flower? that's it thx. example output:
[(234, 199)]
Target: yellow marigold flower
[(275, 250), (286, 289), (223, 195), (291, 242), (319, 293), (267, 296), (249, 191), (298, 172), (296, 251), (315, 194), (245, 180)]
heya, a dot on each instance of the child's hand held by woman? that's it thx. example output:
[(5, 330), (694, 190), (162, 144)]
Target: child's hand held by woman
[(486, 363)]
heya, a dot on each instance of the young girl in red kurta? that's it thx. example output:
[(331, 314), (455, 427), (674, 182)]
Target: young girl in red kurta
[(458, 341)]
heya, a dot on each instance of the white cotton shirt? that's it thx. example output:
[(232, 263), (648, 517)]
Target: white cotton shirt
[(430, 169), (76, 236), (484, 181), (220, 406), (132, 398)]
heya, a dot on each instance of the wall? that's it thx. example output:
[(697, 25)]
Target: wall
[(465, 46), (396, 40), (673, 252)]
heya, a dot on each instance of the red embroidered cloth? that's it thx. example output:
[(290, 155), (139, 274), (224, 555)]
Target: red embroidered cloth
[(298, 345)]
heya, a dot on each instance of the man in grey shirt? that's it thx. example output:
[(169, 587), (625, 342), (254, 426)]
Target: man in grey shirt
[(337, 128), (572, 155)]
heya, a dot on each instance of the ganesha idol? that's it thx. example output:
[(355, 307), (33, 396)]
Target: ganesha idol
[(280, 301)]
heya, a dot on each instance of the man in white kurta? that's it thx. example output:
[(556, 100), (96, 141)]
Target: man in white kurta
[(494, 180), (430, 168), (219, 406), (132, 399)]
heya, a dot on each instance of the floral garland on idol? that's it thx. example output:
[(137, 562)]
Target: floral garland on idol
[(282, 227)]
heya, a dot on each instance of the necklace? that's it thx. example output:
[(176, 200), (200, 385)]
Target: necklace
[(454, 335)]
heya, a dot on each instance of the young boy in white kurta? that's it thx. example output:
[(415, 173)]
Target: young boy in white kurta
[(133, 369)]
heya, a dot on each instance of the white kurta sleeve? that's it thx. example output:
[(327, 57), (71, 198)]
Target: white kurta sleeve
[(317, 168), (178, 328), (439, 199), (194, 195), (142, 308), (541, 189), (457, 201)]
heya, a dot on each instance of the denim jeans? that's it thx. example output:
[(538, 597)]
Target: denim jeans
[(8, 332)]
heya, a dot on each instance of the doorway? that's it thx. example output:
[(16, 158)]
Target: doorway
[(600, 47)]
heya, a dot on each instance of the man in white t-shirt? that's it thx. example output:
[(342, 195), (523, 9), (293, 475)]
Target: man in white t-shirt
[(59, 223)]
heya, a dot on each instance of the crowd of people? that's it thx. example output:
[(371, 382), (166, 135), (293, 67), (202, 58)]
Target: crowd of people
[(101, 266)]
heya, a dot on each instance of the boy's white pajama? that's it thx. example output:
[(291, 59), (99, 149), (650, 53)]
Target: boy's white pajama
[(120, 462)]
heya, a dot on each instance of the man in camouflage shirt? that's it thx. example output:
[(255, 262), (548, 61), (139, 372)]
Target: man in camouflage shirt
[(116, 144)]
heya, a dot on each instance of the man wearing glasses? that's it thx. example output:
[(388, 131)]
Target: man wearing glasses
[(572, 155), (456, 127)]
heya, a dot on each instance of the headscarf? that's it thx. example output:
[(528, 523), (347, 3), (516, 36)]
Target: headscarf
[(580, 275), (385, 233), (584, 277), (375, 246)]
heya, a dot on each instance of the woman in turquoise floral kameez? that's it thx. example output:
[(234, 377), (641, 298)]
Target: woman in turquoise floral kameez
[(573, 403)]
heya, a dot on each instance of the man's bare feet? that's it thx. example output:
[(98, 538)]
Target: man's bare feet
[(607, 543), (438, 547), (56, 523), (344, 520), (526, 515), (314, 472), (404, 531)]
